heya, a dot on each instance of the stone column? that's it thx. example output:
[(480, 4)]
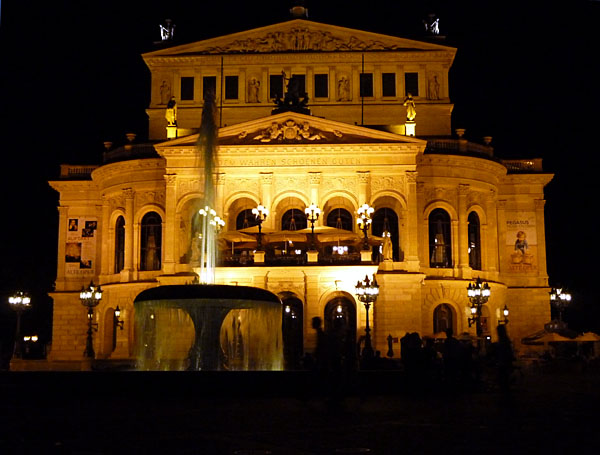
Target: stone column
[(463, 230), (127, 272), (490, 240), (266, 195), (501, 210), (106, 243), (541, 238), (315, 182), (411, 249), (170, 243), (363, 187), (220, 195), (63, 213)]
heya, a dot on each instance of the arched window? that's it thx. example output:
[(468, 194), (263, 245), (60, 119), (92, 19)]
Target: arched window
[(119, 244), (151, 242), (474, 242), (443, 318), (341, 219), (293, 220), (245, 219), (440, 243), (385, 219)]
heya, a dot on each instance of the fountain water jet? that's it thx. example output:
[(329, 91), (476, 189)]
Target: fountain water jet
[(208, 326)]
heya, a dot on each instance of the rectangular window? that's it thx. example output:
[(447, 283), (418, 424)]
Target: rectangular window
[(299, 81), (209, 85), (231, 87), (187, 88), (321, 86), (275, 86), (411, 84), (388, 84), (366, 85)]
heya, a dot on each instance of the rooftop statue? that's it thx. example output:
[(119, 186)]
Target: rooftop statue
[(167, 31)]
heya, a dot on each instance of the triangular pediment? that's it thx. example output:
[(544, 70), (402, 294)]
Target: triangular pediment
[(289, 128), (298, 35)]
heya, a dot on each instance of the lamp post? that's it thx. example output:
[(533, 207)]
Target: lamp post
[(560, 298), (312, 214), (261, 213), (90, 298), (367, 292), (479, 293), (364, 222), (19, 302), (505, 314)]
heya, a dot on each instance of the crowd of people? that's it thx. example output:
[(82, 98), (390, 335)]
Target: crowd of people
[(427, 363)]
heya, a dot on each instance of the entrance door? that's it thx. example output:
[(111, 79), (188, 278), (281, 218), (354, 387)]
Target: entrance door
[(340, 326), (292, 326)]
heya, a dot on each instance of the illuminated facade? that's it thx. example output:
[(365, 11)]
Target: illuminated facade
[(453, 211)]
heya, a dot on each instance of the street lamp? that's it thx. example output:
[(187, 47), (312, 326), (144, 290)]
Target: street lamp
[(118, 322), (367, 292), (479, 293), (560, 298), (261, 213), (19, 302), (312, 214), (505, 314), (364, 222), (90, 298)]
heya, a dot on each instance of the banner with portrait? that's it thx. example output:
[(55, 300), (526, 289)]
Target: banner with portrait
[(521, 242), (80, 251)]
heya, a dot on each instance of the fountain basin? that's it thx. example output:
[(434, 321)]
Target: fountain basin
[(208, 327)]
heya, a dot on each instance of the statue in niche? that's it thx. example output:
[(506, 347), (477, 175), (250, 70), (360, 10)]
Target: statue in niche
[(344, 88), (411, 111), (388, 249), (165, 92), (253, 90), (171, 112), (434, 88)]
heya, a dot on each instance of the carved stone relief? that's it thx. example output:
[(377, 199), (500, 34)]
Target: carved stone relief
[(300, 39)]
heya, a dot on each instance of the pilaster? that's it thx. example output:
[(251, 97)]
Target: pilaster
[(412, 223), (170, 224), (127, 271)]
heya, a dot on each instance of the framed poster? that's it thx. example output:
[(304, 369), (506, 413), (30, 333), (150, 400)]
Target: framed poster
[(80, 250), (521, 242)]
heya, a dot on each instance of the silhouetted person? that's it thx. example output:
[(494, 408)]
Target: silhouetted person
[(452, 355), (321, 355), (503, 357)]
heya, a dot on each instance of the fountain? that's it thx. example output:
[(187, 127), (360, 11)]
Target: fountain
[(208, 326)]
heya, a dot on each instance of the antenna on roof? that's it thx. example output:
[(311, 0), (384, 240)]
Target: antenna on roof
[(299, 11)]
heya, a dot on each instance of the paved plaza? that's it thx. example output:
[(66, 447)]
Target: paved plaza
[(551, 410)]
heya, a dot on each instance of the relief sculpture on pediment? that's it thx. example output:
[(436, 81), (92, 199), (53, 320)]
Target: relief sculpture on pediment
[(299, 39)]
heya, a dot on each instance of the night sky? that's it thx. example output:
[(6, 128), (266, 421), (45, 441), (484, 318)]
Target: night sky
[(72, 77)]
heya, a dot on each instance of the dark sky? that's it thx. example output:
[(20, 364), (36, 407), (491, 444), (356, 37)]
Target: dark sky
[(72, 77)]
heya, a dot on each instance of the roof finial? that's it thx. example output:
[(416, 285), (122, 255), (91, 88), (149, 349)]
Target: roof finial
[(298, 10)]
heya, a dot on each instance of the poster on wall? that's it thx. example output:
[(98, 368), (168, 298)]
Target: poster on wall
[(521, 242), (80, 251)]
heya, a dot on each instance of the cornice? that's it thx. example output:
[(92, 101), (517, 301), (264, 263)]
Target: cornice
[(112, 169)]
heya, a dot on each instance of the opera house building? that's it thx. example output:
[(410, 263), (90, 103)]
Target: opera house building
[(313, 119)]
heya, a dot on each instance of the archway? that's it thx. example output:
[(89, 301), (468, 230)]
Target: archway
[(443, 318), (292, 330), (386, 219), (340, 326)]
